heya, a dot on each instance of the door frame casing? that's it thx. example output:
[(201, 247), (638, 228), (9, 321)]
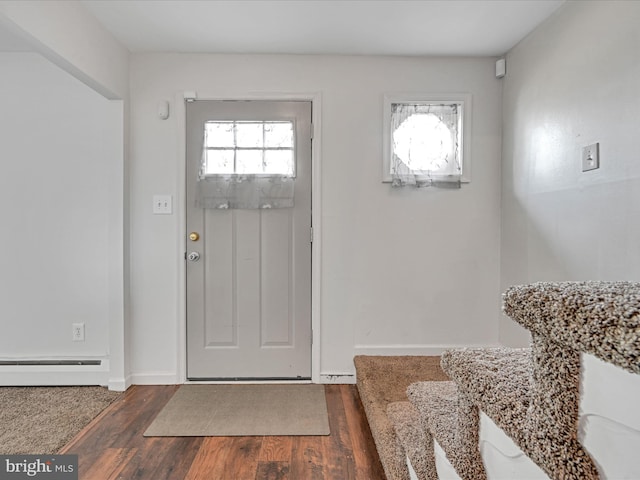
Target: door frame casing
[(316, 216)]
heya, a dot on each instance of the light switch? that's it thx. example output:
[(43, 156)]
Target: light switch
[(162, 205), (591, 157)]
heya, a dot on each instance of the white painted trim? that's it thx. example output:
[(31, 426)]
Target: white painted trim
[(56, 375), (316, 248), (118, 259), (348, 378), (181, 217), (316, 220), (155, 378), (427, 350), (120, 384)]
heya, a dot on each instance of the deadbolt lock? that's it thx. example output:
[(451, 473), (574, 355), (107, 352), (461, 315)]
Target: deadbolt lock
[(194, 237)]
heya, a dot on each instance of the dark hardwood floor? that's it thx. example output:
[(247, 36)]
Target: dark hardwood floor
[(112, 446)]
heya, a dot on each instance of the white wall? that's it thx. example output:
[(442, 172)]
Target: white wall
[(65, 33), (58, 142), (402, 271), (573, 82)]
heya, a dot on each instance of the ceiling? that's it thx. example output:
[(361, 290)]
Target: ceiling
[(368, 27), (340, 27)]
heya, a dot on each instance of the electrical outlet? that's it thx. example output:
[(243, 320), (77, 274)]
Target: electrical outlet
[(77, 332)]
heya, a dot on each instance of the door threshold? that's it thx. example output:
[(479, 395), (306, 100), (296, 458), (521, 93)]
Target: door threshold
[(222, 381)]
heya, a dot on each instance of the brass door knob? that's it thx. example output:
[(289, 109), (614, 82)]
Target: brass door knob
[(194, 237)]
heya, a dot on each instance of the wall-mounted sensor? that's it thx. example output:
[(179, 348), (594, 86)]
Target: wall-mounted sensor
[(163, 110), (501, 68)]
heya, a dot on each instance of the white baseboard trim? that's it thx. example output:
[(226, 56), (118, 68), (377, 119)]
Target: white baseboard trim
[(55, 375), (400, 350), (348, 378), (120, 384), (154, 378)]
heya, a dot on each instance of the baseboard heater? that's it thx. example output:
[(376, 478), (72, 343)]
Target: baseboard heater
[(4, 363)]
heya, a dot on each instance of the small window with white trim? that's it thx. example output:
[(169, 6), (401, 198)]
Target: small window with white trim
[(426, 140)]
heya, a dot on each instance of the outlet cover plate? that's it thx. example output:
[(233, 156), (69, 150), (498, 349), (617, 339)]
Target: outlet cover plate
[(77, 332), (591, 157)]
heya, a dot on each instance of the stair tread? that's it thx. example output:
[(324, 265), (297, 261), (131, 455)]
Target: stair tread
[(601, 318), (417, 444), (497, 380), (438, 404), (382, 380)]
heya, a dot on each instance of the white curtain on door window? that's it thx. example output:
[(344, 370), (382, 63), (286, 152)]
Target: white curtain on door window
[(245, 191), (425, 145)]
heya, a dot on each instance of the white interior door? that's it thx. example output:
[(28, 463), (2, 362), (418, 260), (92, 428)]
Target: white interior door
[(248, 269)]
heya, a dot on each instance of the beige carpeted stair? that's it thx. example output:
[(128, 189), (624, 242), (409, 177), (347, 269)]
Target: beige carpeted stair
[(413, 439), (452, 420), (382, 380), (531, 394)]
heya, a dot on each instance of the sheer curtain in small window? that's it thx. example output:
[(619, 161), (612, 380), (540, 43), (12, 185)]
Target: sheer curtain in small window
[(425, 143)]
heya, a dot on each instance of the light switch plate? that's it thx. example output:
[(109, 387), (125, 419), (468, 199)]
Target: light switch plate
[(591, 157), (162, 205)]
